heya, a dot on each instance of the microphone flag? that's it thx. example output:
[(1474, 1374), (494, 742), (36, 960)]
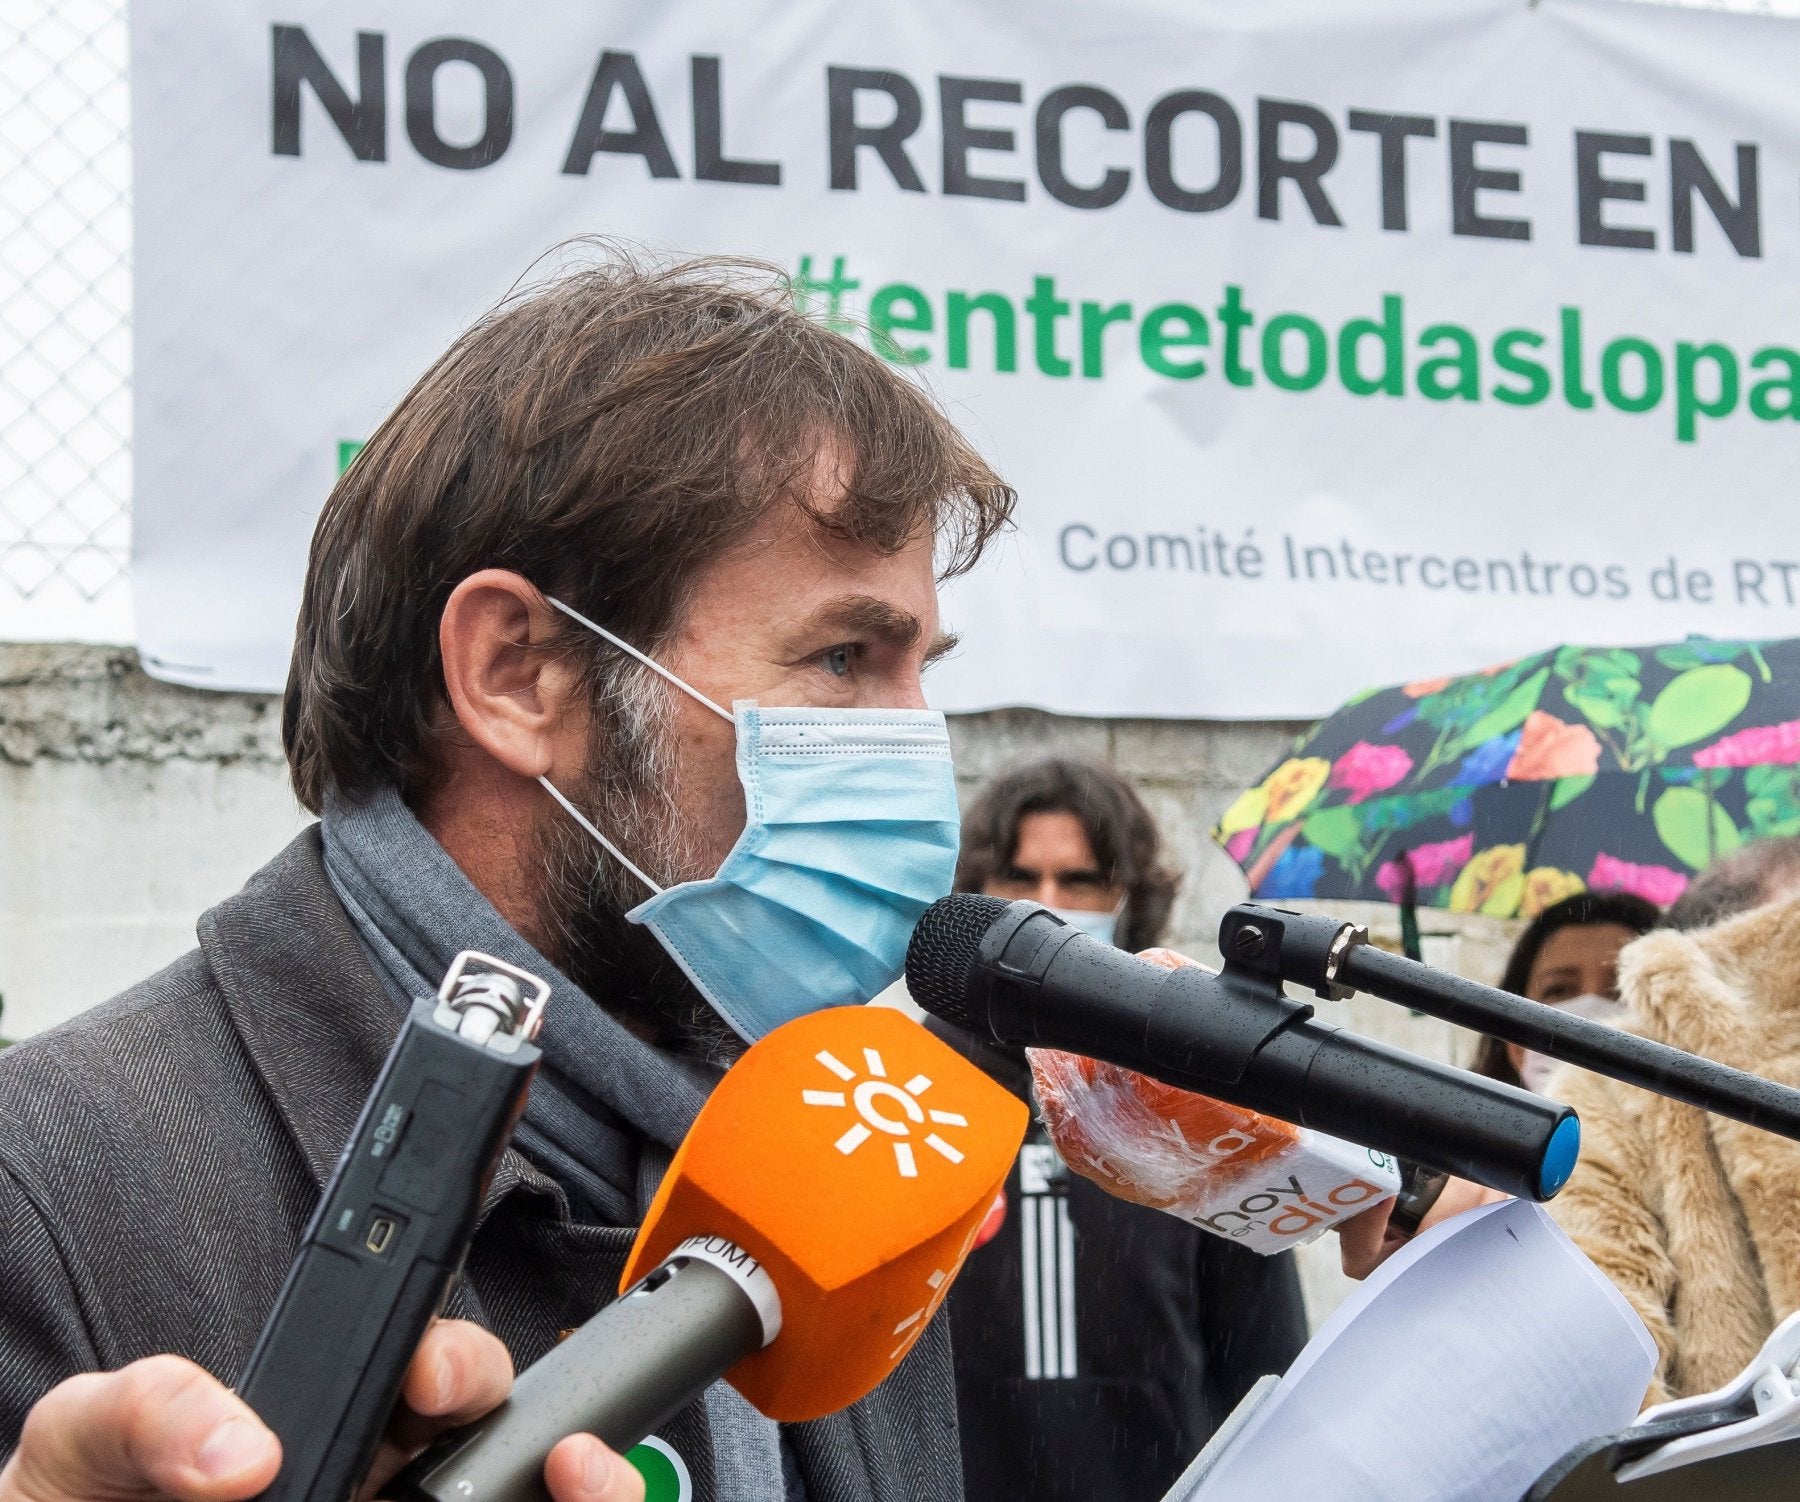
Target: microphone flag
[(856, 1157)]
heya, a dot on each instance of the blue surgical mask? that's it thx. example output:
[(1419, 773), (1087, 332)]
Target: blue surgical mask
[(850, 833), (1101, 926)]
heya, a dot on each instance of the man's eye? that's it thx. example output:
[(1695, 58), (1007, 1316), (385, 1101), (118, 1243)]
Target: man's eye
[(839, 660)]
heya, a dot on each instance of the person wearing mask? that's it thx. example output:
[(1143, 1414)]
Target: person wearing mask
[(1099, 1343), (1568, 958), (1696, 1218), (609, 665), (1692, 1217)]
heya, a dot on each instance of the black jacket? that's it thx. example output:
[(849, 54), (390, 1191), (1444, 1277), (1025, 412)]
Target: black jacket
[(1170, 1327), (160, 1154)]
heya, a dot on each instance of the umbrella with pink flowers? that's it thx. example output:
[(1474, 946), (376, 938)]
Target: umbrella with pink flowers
[(1602, 768)]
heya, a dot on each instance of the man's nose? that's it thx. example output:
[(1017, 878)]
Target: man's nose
[(1048, 891), (908, 693)]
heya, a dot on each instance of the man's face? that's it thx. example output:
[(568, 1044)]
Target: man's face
[(795, 618), (789, 617), (1053, 862)]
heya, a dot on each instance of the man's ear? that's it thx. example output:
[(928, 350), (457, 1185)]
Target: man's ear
[(510, 696)]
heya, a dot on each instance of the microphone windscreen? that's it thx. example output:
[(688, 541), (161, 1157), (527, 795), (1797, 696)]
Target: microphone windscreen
[(856, 1157), (943, 951)]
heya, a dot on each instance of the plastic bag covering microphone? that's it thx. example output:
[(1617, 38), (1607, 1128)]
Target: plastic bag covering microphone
[(1014, 973), (855, 1157), (1254, 1179)]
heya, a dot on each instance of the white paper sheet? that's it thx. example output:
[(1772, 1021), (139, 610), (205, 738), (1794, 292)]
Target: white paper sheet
[(1471, 1360)]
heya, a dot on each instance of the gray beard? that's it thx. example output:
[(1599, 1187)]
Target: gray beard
[(583, 894)]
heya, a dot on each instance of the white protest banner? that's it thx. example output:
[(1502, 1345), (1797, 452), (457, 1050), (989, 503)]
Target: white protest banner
[(1328, 342)]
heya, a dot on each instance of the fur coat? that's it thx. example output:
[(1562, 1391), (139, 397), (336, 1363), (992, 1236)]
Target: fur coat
[(1694, 1217)]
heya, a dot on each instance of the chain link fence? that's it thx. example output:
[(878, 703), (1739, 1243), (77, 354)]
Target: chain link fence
[(65, 314), (65, 307)]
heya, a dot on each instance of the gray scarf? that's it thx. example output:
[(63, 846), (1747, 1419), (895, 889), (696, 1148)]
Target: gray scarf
[(606, 1111)]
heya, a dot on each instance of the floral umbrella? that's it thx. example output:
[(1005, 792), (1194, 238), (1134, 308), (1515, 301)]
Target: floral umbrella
[(1579, 768)]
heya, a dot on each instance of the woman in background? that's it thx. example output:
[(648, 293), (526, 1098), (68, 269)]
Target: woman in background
[(1568, 958), (1696, 1218)]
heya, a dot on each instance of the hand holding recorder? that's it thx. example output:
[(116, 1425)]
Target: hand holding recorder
[(164, 1428), (351, 1376)]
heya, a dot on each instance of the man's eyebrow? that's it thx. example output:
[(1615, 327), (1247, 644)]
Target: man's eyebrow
[(945, 643), (865, 615)]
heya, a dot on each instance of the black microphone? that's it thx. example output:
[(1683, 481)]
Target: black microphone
[(1016, 973), (628, 1369)]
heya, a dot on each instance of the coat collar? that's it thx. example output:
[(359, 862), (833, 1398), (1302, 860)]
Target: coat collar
[(313, 1015), (1731, 992)]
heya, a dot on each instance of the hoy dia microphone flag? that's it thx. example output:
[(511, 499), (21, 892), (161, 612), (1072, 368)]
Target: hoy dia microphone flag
[(1501, 792)]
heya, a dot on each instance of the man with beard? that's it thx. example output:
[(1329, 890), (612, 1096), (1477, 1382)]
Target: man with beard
[(608, 664)]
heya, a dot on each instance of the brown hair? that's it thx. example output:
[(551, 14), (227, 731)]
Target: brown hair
[(1583, 910), (1117, 825), (606, 434), (1759, 872)]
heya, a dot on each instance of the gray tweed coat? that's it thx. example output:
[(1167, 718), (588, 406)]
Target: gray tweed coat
[(160, 1154)]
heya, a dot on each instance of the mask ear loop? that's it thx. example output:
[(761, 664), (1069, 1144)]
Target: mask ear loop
[(649, 662), (656, 667), (611, 849)]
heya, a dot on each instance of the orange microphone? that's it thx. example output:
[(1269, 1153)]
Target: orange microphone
[(806, 1232)]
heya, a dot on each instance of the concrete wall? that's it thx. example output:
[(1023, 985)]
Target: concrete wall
[(128, 806)]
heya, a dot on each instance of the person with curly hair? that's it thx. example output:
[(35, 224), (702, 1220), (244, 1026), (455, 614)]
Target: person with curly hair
[(1098, 1343)]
